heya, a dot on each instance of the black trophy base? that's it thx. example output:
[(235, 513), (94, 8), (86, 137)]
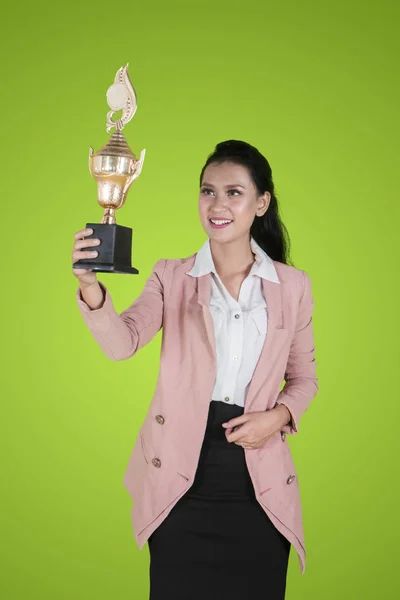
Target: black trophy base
[(114, 250)]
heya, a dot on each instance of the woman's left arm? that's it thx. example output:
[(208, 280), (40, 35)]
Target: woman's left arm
[(301, 383)]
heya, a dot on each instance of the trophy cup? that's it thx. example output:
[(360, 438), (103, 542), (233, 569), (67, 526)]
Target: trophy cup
[(114, 167)]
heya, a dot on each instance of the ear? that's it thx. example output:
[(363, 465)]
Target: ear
[(263, 204)]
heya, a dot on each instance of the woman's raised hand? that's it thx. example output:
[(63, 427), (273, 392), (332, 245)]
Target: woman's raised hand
[(84, 249)]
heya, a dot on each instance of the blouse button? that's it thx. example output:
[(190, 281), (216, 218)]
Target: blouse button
[(156, 462), (227, 399), (291, 479), (160, 419), (237, 316)]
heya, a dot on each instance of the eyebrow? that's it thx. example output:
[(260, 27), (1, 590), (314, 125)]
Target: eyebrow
[(230, 185)]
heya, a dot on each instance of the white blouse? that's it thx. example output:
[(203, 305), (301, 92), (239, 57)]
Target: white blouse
[(240, 326)]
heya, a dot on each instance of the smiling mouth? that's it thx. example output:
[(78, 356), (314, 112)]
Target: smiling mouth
[(220, 223)]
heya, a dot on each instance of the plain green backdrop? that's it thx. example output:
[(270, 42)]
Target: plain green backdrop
[(313, 85)]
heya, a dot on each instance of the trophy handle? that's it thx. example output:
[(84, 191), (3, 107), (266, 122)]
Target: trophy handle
[(91, 152), (139, 165), (136, 172)]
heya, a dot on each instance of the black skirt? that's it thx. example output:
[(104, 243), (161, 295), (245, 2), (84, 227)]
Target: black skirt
[(217, 543)]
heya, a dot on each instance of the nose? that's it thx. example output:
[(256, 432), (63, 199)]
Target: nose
[(220, 201)]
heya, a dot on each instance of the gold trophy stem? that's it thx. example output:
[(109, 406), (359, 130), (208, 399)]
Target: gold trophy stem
[(109, 216)]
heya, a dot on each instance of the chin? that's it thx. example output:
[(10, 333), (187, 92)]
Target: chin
[(218, 234), (222, 237)]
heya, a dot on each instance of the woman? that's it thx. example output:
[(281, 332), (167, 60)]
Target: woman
[(211, 475)]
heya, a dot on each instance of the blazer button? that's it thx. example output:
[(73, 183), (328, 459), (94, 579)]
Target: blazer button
[(160, 419), (283, 436), (156, 462), (291, 479)]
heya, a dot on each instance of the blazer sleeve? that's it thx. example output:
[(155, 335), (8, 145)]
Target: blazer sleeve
[(120, 336), (301, 383)]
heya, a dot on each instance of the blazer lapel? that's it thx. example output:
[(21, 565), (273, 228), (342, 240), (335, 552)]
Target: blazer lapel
[(273, 296)]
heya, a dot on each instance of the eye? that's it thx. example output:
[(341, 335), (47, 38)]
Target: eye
[(205, 190), (234, 190)]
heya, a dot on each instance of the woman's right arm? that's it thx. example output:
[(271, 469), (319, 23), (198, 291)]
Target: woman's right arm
[(120, 336)]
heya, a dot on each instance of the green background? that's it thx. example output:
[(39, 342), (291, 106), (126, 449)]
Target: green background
[(313, 85)]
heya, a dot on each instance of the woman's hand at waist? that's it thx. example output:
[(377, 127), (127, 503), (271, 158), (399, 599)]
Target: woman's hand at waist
[(253, 429)]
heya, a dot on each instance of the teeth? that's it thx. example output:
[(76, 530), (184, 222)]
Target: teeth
[(220, 221)]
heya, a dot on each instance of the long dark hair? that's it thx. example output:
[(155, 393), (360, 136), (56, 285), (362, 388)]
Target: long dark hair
[(268, 231)]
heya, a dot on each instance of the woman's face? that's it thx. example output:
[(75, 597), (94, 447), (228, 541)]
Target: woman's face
[(228, 193)]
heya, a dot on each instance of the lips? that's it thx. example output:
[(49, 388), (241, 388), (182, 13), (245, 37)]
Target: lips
[(222, 226)]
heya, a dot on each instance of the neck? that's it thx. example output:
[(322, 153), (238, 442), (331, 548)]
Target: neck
[(232, 258)]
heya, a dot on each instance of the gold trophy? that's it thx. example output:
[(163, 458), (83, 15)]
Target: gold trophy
[(114, 167)]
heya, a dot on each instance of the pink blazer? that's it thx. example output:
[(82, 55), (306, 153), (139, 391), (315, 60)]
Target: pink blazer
[(164, 459)]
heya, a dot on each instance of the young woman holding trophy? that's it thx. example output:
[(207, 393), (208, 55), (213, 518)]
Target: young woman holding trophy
[(214, 486)]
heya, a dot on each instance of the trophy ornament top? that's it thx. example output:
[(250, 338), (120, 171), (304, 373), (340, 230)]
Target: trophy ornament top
[(121, 96), (115, 166)]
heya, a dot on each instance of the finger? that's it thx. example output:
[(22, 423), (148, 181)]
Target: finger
[(81, 271), (230, 429), (86, 243), (237, 436), (237, 421), (79, 254), (80, 234)]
